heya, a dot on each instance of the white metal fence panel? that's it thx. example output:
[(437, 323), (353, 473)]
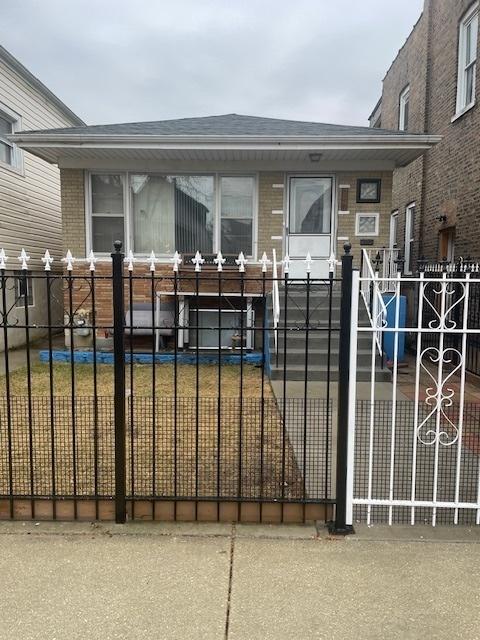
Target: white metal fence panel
[(416, 439)]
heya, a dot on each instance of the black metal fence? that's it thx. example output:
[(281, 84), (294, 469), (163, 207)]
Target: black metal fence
[(167, 384)]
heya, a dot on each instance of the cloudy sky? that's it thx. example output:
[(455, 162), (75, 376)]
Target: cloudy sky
[(121, 61)]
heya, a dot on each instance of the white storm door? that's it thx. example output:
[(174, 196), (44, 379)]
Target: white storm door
[(309, 224)]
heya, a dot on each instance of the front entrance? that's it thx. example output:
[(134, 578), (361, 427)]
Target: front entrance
[(309, 224)]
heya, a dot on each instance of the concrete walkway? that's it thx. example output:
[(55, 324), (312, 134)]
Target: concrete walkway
[(69, 581)]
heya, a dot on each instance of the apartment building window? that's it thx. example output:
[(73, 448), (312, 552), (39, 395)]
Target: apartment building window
[(393, 230), (404, 109), (9, 123), (409, 237), (467, 60)]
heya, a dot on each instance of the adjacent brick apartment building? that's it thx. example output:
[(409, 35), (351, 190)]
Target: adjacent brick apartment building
[(432, 85)]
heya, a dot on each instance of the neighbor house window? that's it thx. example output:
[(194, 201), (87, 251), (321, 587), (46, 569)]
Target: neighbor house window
[(23, 289), (367, 224), (9, 152), (172, 213), (236, 214), (409, 236), (467, 59), (393, 230), (107, 211), (404, 109)]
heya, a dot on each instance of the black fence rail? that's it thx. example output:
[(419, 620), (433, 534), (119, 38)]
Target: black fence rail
[(140, 383)]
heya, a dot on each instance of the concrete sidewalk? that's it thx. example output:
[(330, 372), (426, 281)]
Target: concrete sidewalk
[(169, 581)]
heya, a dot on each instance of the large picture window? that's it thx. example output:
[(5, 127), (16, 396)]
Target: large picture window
[(172, 213), (168, 213)]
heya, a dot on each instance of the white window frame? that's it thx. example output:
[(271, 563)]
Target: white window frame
[(89, 213), (367, 214), (392, 240), (404, 99), (409, 237), (19, 301), (128, 208), (16, 153), (470, 18)]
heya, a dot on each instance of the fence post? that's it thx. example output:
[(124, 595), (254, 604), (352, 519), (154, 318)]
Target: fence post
[(119, 381), (340, 526)]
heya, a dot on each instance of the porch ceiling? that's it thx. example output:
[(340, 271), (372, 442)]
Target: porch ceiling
[(392, 148), (81, 154)]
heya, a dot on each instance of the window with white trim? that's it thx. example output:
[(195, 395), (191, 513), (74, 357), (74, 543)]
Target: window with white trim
[(23, 290), (167, 213), (366, 224), (9, 123), (409, 237), (393, 229), (108, 211), (404, 107), (467, 59), (236, 214)]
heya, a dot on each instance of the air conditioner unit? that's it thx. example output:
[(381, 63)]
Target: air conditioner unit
[(230, 329)]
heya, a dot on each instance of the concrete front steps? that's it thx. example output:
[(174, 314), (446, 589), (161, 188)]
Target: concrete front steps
[(323, 315)]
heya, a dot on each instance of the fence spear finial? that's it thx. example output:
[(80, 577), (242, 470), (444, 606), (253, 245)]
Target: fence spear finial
[(69, 260), (129, 260), (197, 260), (3, 259), (152, 260), (241, 261), (219, 261), (308, 261), (92, 260), (176, 261), (24, 258), (265, 262), (332, 263), (47, 260)]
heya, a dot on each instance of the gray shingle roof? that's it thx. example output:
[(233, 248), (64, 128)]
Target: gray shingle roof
[(230, 124)]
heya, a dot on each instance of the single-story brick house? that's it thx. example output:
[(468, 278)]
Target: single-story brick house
[(231, 183)]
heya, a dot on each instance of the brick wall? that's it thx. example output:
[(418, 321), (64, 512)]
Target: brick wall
[(73, 211), (445, 181), (346, 222), (270, 200)]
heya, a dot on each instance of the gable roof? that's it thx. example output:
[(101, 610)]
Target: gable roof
[(18, 67), (228, 125)]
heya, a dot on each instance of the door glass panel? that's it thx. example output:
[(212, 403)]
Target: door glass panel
[(310, 205)]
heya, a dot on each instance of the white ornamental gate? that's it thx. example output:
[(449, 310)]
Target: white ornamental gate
[(414, 442)]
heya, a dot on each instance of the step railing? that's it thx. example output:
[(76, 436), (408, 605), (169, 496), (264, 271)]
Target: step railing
[(275, 300), (371, 290)]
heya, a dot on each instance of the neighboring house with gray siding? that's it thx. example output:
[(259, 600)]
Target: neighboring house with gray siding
[(30, 212)]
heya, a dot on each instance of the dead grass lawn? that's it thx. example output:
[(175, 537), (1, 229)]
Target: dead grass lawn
[(182, 451)]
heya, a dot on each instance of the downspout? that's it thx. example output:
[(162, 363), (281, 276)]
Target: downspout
[(426, 121)]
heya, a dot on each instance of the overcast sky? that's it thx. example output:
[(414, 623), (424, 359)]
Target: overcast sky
[(133, 60)]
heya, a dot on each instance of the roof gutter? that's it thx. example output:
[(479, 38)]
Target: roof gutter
[(420, 141)]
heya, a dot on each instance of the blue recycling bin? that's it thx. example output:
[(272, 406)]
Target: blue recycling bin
[(389, 336)]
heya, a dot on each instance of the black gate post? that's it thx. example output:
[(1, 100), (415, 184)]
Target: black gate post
[(339, 526), (119, 381)]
